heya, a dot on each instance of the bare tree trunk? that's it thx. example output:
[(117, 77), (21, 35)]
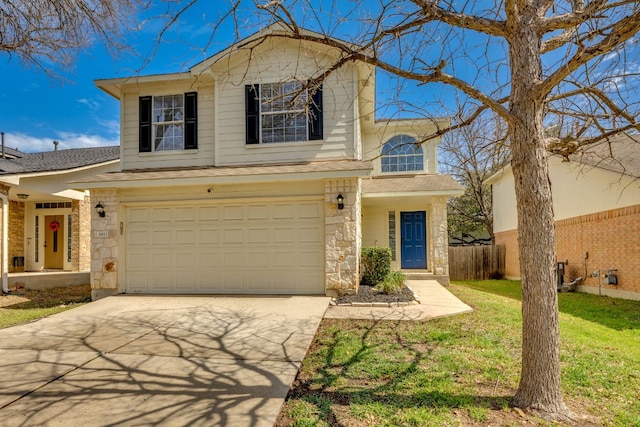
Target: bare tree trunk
[(539, 387)]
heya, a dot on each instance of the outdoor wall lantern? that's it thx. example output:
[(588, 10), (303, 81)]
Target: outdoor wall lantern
[(340, 201), (22, 196), (100, 210)]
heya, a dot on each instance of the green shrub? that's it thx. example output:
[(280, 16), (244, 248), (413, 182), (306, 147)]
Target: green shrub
[(392, 283), (375, 265)]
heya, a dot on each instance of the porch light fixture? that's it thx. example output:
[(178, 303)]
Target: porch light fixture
[(340, 201), (100, 210), (22, 196)]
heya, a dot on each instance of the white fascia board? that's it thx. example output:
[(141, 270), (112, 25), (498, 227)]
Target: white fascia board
[(10, 180), (114, 86), (237, 179), (449, 193), (497, 175), (70, 194)]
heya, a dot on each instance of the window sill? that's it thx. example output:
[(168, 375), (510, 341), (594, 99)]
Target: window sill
[(412, 172), (285, 144), (168, 153)]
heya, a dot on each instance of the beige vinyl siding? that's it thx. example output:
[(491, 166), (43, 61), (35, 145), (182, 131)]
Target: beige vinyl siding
[(203, 156), (577, 190), (279, 61), (373, 142)]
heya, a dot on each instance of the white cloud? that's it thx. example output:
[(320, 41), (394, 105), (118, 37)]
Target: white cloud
[(29, 144), (93, 105)]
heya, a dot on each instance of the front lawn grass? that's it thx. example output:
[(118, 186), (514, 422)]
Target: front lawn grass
[(29, 305), (463, 370)]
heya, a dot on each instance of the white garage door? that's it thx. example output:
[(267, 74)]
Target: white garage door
[(244, 248)]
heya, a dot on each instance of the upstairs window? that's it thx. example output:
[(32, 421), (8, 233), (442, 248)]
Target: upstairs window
[(168, 122), (282, 112), (400, 154)]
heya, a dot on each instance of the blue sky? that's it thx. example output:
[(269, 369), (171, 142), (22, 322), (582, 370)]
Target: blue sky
[(36, 109)]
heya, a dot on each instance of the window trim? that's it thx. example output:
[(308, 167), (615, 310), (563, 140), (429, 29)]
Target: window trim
[(254, 115), (418, 154), (147, 126)]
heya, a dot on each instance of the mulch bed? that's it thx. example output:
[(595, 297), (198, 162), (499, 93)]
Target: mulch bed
[(367, 294)]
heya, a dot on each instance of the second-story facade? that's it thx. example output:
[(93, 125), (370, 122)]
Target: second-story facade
[(244, 175)]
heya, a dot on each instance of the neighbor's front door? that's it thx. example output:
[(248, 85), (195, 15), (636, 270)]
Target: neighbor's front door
[(413, 235), (54, 241)]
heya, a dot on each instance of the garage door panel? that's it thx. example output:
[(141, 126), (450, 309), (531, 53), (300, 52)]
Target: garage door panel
[(161, 237), (233, 237), (138, 238), (185, 214), (231, 213), (309, 210), (185, 237), (284, 211), (208, 213), (208, 236), (246, 248), (258, 212), (160, 215)]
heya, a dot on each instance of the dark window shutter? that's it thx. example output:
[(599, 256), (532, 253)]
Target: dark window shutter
[(144, 143), (315, 116), (252, 109), (191, 121)]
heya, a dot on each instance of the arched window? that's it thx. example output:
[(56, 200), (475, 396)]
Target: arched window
[(400, 154)]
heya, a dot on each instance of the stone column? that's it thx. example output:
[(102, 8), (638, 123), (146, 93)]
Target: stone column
[(439, 236), (105, 235), (343, 229)]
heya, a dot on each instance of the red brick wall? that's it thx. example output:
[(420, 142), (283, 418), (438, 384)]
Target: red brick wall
[(511, 259), (611, 239)]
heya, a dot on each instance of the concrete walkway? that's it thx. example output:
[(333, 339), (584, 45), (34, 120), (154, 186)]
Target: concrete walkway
[(435, 301), (156, 361)]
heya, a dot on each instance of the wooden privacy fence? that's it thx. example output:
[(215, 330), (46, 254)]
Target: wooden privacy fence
[(476, 262)]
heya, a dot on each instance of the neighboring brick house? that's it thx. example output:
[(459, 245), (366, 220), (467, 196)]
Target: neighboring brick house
[(48, 226), (235, 178), (596, 198)]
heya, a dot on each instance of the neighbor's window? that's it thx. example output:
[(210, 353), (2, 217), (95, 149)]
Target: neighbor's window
[(282, 112), (168, 122), (400, 154)]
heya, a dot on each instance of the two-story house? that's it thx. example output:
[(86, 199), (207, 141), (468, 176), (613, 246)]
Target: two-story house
[(238, 178)]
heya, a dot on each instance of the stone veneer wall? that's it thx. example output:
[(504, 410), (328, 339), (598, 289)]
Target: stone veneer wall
[(81, 235), (4, 189), (104, 250), (343, 230), (439, 236), (16, 234)]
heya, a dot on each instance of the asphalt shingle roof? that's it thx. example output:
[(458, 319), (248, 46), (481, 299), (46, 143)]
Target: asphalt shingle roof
[(619, 154), (58, 160), (400, 184)]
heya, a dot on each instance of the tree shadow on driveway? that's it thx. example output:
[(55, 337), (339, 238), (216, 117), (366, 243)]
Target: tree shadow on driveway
[(199, 365)]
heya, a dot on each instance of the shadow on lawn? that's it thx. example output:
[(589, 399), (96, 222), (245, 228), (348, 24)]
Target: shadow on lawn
[(610, 312), (342, 383)]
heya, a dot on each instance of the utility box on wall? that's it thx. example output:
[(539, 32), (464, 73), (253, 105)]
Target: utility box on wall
[(610, 278)]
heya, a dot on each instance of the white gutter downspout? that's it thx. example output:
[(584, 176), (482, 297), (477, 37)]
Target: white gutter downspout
[(5, 243)]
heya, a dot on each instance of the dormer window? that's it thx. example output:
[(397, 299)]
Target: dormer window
[(282, 112), (400, 154), (168, 122)]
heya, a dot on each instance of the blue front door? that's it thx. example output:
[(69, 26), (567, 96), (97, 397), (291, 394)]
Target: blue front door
[(413, 247)]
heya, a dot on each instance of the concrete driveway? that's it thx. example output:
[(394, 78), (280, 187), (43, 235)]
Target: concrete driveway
[(155, 360)]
